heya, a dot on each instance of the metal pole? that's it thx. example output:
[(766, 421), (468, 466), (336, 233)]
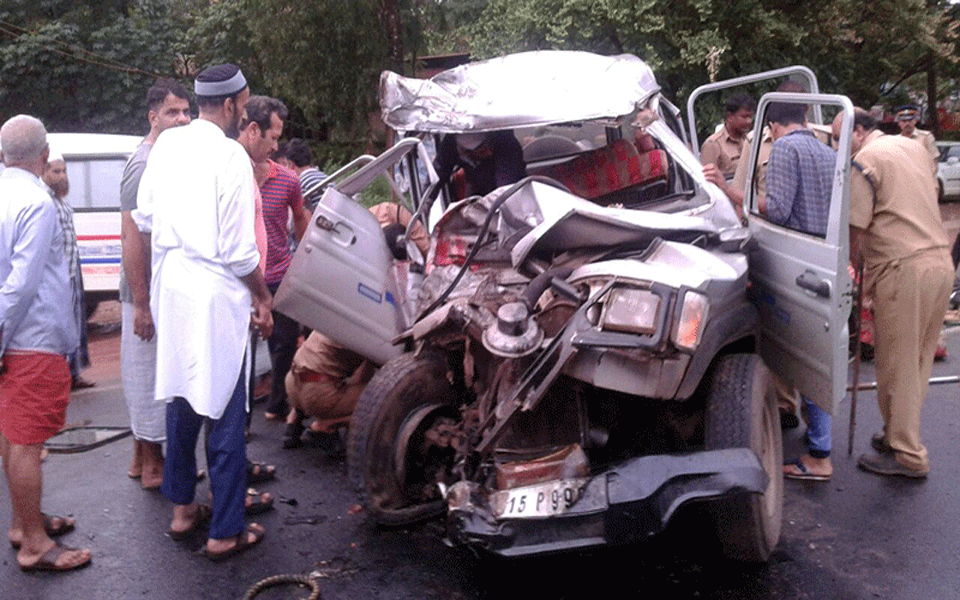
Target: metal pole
[(933, 381), (856, 361)]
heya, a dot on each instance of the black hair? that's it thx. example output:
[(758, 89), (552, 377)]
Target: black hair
[(259, 109), (163, 88), (785, 113), (793, 87), (864, 119), (298, 151), (738, 101), (394, 233)]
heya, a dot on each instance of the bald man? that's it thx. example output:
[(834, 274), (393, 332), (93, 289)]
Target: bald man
[(37, 330), (896, 231)]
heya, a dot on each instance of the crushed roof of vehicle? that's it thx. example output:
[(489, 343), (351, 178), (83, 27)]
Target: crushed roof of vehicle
[(518, 90)]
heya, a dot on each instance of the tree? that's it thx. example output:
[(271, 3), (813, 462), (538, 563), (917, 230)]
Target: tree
[(83, 65), (854, 47)]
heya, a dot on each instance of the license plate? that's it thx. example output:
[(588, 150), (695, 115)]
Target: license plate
[(542, 500)]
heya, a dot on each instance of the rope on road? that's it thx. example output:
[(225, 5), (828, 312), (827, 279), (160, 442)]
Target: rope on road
[(276, 580)]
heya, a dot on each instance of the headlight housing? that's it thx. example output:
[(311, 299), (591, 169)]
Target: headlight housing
[(691, 320), (630, 309)]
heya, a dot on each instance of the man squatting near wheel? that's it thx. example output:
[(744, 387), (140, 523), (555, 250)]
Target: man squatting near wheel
[(37, 330), (167, 106), (326, 379), (896, 230), (799, 179), (196, 198)]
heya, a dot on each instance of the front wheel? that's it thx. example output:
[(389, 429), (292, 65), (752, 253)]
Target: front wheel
[(401, 439), (742, 413)]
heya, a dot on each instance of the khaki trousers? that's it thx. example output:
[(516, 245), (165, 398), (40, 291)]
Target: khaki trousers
[(910, 299), (331, 401)]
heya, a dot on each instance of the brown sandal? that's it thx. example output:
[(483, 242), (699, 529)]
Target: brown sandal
[(66, 526), (48, 562), (202, 515), (243, 544)]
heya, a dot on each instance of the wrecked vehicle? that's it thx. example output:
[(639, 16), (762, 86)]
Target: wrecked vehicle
[(579, 355)]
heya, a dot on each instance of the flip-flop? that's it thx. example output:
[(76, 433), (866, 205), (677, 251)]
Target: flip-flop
[(803, 473), (64, 528), (258, 504), (48, 562), (243, 543), (260, 472), (203, 515)]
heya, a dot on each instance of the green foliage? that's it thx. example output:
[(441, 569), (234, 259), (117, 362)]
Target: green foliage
[(83, 66), (854, 47)]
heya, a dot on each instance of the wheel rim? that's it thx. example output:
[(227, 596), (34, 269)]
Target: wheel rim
[(410, 427), (419, 461)]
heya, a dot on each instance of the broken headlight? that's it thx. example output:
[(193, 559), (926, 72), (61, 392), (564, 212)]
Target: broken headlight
[(630, 309)]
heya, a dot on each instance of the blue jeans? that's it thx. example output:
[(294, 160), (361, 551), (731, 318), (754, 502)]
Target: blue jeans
[(819, 423), (226, 458)]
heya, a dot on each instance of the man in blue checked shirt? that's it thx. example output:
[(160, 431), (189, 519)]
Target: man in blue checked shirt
[(799, 181)]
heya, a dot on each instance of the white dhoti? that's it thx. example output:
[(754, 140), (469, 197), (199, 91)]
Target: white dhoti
[(138, 367)]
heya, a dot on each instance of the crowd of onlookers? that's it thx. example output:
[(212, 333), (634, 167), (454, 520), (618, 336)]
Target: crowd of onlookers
[(210, 211)]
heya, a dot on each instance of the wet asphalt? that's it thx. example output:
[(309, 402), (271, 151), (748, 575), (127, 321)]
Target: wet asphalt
[(858, 536)]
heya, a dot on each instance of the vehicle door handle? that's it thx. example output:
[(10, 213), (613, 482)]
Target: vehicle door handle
[(810, 281), (340, 232), (324, 223)]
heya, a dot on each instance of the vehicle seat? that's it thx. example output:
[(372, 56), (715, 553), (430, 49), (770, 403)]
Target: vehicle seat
[(605, 173)]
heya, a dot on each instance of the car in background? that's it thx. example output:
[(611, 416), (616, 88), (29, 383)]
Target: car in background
[(95, 163), (948, 171)]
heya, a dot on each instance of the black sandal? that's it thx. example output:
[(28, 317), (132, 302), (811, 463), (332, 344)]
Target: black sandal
[(292, 435), (260, 472)]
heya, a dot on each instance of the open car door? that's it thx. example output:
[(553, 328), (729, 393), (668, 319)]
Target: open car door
[(344, 281), (801, 281)]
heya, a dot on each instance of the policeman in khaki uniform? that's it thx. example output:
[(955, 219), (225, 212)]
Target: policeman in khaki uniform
[(723, 148), (907, 118), (895, 227)]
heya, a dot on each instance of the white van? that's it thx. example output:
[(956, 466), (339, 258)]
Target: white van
[(95, 164)]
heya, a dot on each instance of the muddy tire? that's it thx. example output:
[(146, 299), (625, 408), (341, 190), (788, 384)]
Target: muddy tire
[(389, 460), (742, 413)]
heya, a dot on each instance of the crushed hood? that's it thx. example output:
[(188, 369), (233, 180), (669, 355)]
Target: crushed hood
[(518, 90)]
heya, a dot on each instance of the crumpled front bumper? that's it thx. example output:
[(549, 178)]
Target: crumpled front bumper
[(625, 503)]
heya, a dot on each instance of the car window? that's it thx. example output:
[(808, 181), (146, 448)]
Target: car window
[(95, 183)]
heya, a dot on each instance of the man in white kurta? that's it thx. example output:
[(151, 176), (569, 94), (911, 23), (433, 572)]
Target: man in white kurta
[(196, 198)]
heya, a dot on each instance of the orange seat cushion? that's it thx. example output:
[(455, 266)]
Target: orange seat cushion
[(610, 169)]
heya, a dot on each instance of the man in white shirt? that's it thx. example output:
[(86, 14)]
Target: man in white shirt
[(196, 199), (36, 330)]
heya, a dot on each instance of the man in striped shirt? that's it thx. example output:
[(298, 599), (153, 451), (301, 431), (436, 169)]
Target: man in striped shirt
[(280, 190), (297, 153)]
